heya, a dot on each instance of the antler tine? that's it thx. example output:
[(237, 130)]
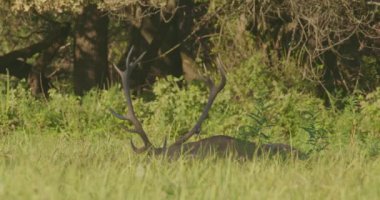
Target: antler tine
[(131, 116), (214, 90), (127, 60), (131, 66)]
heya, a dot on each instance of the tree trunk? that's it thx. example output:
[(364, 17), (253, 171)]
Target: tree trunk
[(156, 38), (14, 63), (90, 50), (169, 37), (161, 35)]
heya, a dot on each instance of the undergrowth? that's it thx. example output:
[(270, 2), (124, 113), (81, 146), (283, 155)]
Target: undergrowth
[(72, 148)]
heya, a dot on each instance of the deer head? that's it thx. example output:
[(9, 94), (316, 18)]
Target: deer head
[(138, 129)]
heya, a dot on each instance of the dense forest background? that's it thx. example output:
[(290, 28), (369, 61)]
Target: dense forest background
[(302, 73), (329, 48)]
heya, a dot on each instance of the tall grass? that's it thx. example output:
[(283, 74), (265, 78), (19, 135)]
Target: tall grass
[(51, 167), (72, 148)]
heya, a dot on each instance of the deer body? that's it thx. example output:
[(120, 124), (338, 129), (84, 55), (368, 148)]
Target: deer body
[(219, 145), (224, 146)]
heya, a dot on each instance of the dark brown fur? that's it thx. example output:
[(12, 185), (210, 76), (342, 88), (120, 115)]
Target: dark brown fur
[(224, 146)]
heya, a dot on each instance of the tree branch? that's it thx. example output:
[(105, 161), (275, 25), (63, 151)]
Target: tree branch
[(14, 63)]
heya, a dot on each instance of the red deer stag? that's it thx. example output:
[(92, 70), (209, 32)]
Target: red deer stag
[(219, 145)]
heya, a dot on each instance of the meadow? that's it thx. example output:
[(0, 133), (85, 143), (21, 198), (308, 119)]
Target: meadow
[(70, 147)]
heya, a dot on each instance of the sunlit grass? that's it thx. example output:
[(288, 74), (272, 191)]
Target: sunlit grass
[(53, 167)]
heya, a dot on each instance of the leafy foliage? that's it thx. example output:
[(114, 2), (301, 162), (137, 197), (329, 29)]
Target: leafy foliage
[(253, 106), (328, 47)]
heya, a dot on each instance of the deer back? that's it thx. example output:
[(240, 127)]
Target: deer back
[(225, 146)]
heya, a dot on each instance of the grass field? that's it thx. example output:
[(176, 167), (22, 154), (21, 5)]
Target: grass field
[(54, 167), (72, 148)]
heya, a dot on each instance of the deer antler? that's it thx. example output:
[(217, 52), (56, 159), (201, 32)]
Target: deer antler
[(131, 116), (214, 90)]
